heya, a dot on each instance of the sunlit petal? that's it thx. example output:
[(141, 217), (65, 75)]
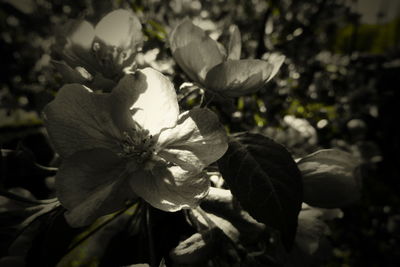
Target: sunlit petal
[(78, 119), (194, 50), (170, 189), (81, 34), (91, 184), (120, 28), (239, 77), (198, 140), (151, 97)]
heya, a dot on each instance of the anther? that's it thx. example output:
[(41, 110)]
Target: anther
[(96, 46)]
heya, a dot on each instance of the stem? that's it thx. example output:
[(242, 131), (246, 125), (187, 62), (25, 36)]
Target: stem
[(209, 100), (80, 241), (24, 199), (210, 223), (150, 238), (45, 168)]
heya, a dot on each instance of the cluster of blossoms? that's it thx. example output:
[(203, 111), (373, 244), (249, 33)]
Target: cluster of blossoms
[(132, 140), (122, 136)]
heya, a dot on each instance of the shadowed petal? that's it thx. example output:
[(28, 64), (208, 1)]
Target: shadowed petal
[(194, 50), (235, 43), (239, 77), (120, 28), (310, 229), (78, 119), (90, 184), (330, 178), (151, 98), (78, 51), (170, 189), (198, 140)]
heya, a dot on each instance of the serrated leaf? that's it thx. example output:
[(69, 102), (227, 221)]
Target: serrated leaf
[(265, 179)]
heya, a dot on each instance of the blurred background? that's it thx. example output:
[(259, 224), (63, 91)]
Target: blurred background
[(338, 87)]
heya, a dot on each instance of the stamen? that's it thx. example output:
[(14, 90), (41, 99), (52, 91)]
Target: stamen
[(96, 46), (137, 144)]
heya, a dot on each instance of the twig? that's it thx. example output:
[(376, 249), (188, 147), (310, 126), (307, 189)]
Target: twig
[(80, 241), (150, 238)]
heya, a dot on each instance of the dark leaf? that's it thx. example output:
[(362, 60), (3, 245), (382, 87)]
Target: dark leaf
[(18, 233), (54, 238), (89, 247), (265, 179)]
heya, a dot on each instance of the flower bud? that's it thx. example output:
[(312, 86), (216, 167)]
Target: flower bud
[(196, 249), (329, 179)]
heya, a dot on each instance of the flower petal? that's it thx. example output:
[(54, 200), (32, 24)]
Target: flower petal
[(330, 178), (170, 189), (78, 119), (198, 140), (90, 184), (81, 34), (120, 28), (194, 51), (235, 43), (239, 77), (152, 99), (310, 229), (78, 50)]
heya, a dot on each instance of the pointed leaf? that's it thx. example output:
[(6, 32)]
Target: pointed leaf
[(265, 179)]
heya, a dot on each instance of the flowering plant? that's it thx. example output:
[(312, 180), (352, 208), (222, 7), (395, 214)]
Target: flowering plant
[(99, 55), (131, 142), (208, 63), (136, 164)]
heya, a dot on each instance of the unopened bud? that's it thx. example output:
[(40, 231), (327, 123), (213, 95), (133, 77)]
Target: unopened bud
[(196, 249)]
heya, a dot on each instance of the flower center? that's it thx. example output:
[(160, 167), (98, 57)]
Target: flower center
[(137, 145)]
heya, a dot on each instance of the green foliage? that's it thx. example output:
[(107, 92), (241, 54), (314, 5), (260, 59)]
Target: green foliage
[(266, 181), (367, 38), (338, 75)]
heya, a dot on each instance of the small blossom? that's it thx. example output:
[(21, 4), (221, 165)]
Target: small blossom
[(128, 143), (93, 54), (312, 227), (329, 178), (206, 62)]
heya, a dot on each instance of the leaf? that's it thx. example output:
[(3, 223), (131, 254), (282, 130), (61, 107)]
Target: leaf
[(91, 245), (265, 179), (23, 230)]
